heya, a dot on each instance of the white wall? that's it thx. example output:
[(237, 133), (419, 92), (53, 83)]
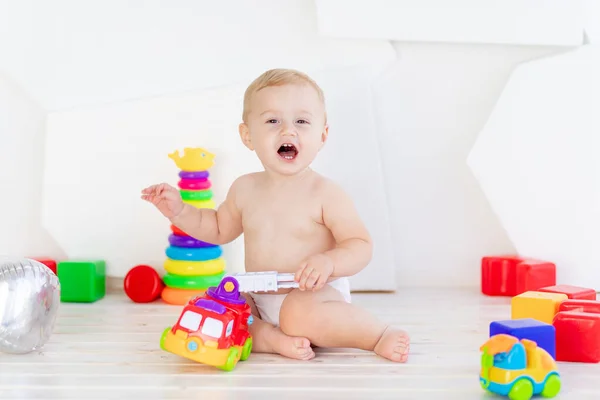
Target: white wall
[(518, 22), (591, 18), (431, 105), (160, 76), (69, 53), (22, 125), (125, 149), (537, 161)]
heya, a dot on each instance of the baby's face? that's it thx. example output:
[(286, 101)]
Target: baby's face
[(286, 127)]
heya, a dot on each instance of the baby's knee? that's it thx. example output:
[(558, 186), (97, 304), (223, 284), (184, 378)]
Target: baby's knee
[(295, 311), (290, 323)]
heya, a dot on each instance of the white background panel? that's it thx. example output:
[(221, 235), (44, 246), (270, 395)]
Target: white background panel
[(68, 53), (100, 159), (105, 66), (591, 18), (522, 22), (537, 161), (21, 162), (352, 157), (429, 108)]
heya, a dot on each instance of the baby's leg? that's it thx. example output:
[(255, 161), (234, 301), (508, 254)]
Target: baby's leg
[(267, 338), (328, 321)]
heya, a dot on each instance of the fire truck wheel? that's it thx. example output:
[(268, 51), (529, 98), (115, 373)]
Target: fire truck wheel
[(163, 337), (247, 349), (232, 360)]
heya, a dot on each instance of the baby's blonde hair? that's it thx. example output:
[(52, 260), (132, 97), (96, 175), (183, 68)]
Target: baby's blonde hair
[(279, 77)]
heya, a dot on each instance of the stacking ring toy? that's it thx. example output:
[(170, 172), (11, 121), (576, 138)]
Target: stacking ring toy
[(190, 254), (196, 194), (192, 282), (179, 297), (201, 204), (191, 268), (188, 241), (193, 174), (178, 231), (194, 184)]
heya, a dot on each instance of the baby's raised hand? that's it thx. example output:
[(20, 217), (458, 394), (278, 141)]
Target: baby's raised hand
[(314, 272), (165, 197)]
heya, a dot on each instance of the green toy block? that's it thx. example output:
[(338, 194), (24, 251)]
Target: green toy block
[(82, 281)]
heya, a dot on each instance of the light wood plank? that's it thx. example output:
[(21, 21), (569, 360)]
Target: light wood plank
[(110, 350)]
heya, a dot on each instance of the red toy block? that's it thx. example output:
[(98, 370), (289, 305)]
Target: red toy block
[(577, 326), (48, 262), (513, 275), (572, 292), (143, 284)]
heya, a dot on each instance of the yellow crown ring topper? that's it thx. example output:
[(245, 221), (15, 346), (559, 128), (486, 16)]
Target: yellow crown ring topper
[(194, 159)]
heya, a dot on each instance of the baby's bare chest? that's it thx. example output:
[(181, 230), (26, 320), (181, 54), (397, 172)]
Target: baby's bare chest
[(279, 218)]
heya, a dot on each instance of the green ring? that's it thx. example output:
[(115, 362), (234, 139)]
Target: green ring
[(198, 195), (193, 282)]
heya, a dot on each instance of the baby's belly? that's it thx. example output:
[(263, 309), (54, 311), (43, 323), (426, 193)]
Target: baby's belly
[(282, 254)]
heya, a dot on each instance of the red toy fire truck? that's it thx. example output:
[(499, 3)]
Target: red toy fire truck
[(213, 328)]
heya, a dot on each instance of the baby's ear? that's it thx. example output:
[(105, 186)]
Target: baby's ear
[(324, 135), (245, 135)]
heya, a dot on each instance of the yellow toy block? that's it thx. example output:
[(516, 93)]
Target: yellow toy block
[(540, 306)]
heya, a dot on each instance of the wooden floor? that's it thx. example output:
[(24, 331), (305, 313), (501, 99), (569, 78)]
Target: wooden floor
[(110, 350)]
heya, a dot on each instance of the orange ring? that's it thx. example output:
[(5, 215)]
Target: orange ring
[(179, 297)]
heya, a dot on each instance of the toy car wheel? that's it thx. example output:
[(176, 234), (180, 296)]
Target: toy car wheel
[(232, 360), (163, 337), (521, 390), (551, 387), (485, 384), (247, 349)]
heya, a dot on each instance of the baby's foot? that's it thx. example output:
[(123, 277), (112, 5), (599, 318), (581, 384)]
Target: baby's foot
[(394, 345), (293, 347)]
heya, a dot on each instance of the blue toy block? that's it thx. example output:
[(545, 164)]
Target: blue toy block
[(527, 328)]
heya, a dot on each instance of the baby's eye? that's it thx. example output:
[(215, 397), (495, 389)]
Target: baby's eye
[(302, 121), (271, 121)]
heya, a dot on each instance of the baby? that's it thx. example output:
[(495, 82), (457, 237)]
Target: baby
[(293, 220)]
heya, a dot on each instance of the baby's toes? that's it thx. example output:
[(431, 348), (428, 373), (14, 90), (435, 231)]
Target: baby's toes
[(308, 355), (400, 352), (303, 348), (403, 336), (393, 345), (301, 343)]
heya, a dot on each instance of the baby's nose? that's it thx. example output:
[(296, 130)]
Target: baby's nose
[(288, 130)]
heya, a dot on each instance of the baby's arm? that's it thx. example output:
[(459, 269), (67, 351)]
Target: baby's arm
[(213, 226), (354, 247)]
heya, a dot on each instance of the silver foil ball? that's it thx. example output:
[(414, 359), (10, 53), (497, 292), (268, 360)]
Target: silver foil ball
[(29, 301)]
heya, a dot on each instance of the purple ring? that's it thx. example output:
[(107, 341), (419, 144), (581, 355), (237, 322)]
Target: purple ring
[(193, 174), (187, 241)]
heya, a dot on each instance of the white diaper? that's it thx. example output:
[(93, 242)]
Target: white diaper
[(268, 305)]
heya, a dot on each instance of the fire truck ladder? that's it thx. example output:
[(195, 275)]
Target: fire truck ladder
[(269, 281)]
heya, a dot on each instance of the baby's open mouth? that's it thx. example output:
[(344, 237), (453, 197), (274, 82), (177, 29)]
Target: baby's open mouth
[(287, 151)]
